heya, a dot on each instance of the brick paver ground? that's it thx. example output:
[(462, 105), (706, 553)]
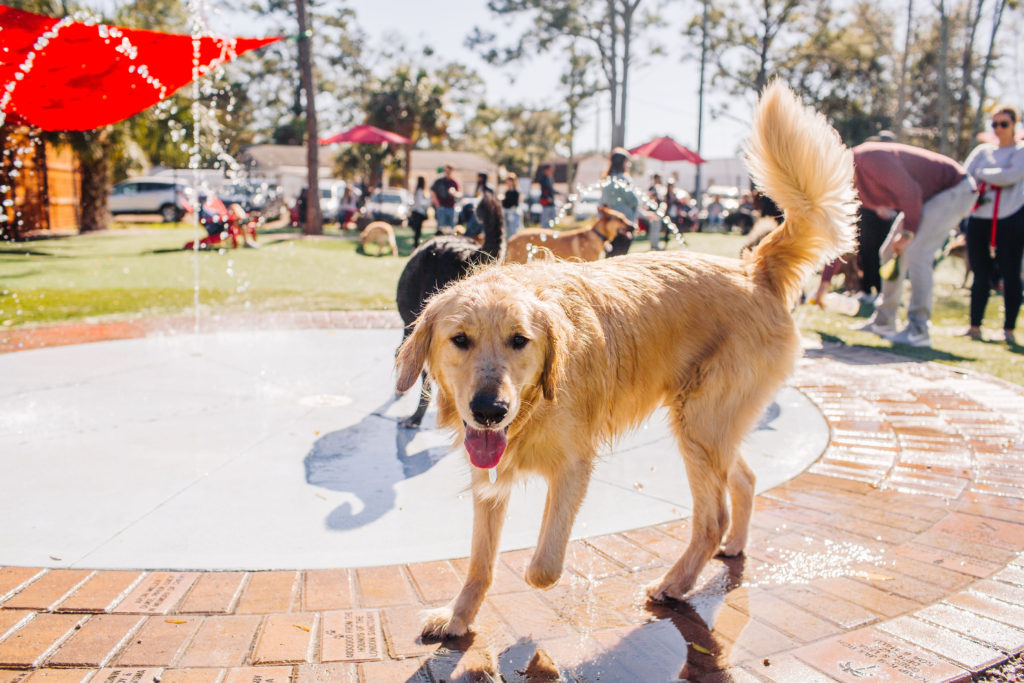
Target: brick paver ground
[(898, 556)]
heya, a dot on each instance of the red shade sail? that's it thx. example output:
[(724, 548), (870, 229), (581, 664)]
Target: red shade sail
[(666, 149), (59, 74), (367, 135)]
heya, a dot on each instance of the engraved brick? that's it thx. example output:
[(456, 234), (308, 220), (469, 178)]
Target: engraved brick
[(213, 593), (351, 636), (157, 593), (223, 641), (27, 646), (853, 656), (190, 676), (159, 641), (285, 639), (48, 589), (126, 675), (100, 592), (268, 592), (327, 589), (259, 674), (95, 641)]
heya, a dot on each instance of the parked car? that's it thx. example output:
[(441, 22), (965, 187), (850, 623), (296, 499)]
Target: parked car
[(389, 204), (263, 198), (170, 199), (331, 192), (585, 206)]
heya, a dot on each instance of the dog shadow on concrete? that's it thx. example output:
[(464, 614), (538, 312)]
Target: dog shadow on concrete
[(367, 460)]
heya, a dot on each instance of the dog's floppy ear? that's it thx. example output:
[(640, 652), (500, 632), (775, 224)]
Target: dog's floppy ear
[(412, 355), (555, 329)]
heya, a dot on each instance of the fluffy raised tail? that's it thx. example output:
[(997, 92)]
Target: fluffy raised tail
[(798, 159)]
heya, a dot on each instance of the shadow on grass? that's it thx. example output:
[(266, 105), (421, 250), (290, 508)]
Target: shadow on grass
[(896, 353)]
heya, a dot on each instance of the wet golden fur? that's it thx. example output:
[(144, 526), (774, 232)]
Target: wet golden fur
[(608, 342), (381, 234), (585, 244)]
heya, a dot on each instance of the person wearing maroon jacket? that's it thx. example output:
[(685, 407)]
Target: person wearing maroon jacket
[(933, 192)]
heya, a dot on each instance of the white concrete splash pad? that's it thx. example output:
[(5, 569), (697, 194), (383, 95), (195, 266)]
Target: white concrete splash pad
[(263, 449)]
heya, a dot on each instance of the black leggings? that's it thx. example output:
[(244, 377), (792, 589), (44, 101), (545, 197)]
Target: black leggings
[(872, 230), (416, 223), (1009, 250)]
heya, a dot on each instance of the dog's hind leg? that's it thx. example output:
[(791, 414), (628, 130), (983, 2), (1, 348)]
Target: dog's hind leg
[(708, 476), (741, 502), (454, 619), (414, 420), (566, 490)]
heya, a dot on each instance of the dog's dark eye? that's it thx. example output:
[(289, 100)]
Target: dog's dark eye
[(461, 341), (518, 341)]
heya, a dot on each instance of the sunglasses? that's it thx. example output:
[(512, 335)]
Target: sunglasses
[(1002, 124)]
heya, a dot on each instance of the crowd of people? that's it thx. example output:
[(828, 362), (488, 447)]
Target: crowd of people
[(913, 201)]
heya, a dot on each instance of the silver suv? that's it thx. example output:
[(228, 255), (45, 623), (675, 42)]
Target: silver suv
[(150, 195)]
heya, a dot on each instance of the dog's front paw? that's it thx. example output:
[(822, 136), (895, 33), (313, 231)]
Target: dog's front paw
[(540, 575), (442, 623), (664, 590)]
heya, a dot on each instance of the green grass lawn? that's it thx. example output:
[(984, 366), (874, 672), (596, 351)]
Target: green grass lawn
[(143, 271)]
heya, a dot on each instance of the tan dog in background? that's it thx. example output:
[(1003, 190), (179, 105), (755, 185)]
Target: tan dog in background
[(538, 365), (585, 244), (381, 234)]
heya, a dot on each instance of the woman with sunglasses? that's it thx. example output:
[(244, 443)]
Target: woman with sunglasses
[(995, 228)]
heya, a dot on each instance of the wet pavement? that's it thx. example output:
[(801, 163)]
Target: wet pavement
[(897, 554)]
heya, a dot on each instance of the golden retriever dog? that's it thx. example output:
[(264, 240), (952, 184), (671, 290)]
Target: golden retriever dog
[(585, 244), (381, 234), (538, 365)]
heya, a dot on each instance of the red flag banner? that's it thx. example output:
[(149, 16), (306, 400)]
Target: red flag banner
[(60, 74)]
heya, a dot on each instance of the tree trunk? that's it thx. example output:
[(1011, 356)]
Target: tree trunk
[(93, 149), (700, 96), (313, 220), (972, 15), (627, 43), (901, 96), (613, 76), (997, 18), (943, 122)]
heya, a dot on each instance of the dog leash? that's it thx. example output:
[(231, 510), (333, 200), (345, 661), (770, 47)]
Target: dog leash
[(995, 214)]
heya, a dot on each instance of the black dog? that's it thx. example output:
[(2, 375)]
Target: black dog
[(440, 261)]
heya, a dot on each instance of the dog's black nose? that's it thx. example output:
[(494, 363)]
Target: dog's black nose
[(488, 410)]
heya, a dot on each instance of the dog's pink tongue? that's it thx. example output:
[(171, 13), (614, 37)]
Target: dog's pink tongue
[(485, 446)]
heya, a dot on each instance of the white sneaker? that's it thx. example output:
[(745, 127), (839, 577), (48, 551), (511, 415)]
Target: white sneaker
[(875, 328), (867, 298), (911, 337)]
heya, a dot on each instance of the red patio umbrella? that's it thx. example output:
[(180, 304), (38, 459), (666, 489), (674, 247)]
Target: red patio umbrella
[(666, 149), (60, 74), (367, 135)]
